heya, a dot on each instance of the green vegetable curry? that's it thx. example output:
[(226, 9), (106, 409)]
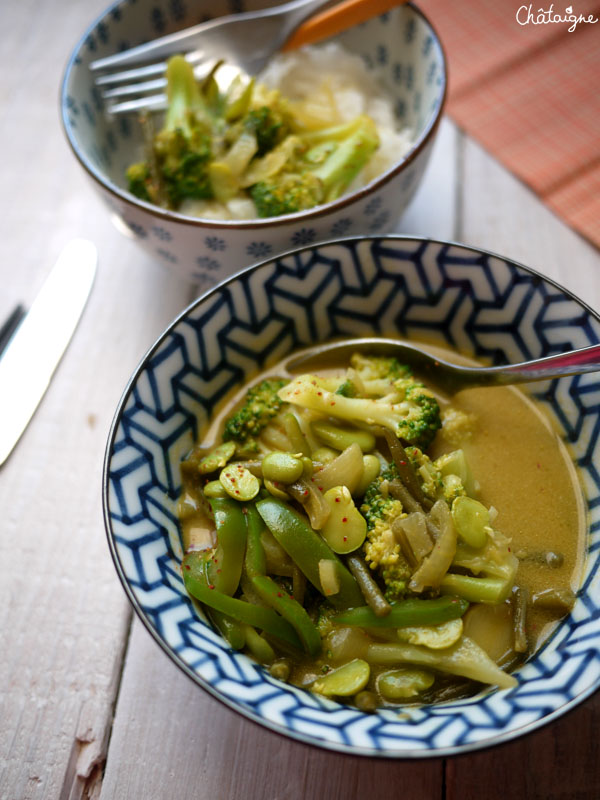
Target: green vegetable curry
[(366, 538)]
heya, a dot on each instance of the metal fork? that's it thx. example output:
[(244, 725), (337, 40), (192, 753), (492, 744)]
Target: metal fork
[(244, 42)]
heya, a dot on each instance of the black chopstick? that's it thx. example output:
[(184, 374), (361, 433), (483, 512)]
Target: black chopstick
[(10, 326)]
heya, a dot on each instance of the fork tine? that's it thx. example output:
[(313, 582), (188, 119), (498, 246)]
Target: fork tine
[(135, 88), (132, 74), (156, 102)]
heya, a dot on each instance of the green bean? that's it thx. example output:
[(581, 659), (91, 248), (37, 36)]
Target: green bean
[(368, 586), (268, 620), (307, 548), (404, 613), (340, 437), (476, 590), (290, 610), (225, 565)]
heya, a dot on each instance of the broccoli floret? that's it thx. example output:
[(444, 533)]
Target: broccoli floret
[(413, 415), (329, 162), (268, 126), (260, 405), (286, 195), (378, 373), (177, 164), (382, 552)]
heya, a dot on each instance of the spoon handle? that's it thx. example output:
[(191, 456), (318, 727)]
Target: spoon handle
[(574, 362)]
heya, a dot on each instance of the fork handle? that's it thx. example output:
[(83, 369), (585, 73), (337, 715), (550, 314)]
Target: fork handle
[(337, 19)]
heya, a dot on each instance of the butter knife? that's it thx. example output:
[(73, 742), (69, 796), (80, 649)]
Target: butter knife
[(38, 343)]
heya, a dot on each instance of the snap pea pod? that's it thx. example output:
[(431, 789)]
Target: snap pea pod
[(194, 571), (225, 565), (230, 628), (307, 548), (404, 613), (255, 562), (291, 610)]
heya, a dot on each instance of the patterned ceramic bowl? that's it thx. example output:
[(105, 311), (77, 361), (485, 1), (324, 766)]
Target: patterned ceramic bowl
[(401, 48), (446, 293)]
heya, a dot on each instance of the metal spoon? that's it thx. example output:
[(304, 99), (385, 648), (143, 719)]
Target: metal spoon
[(451, 378)]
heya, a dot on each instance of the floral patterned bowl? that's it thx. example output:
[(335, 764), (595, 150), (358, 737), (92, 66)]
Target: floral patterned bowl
[(450, 294), (400, 47)]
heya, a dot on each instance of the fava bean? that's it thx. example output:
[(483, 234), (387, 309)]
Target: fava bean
[(214, 489), (399, 684), (282, 467), (217, 458), (239, 482), (471, 518), (344, 681), (345, 528)]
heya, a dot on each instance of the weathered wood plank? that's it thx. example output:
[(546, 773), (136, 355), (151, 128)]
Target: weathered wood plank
[(171, 739), (63, 616)]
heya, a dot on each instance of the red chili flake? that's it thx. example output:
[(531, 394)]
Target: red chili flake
[(344, 519), (337, 499), (187, 566), (319, 394), (320, 488), (403, 463), (345, 538), (305, 492), (211, 586), (215, 560), (237, 491), (332, 403), (279, 594)]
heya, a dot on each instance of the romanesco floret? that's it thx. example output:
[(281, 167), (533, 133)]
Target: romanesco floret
[(457, 425), (261, 404), (382, 552)]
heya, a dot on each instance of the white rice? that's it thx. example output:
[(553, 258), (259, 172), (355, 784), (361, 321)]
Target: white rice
[(331, 69)]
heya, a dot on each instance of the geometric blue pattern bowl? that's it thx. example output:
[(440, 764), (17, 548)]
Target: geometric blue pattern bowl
[(399, 48), (477, 302)]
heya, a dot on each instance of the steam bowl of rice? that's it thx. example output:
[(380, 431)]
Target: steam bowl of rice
[(390, 69)]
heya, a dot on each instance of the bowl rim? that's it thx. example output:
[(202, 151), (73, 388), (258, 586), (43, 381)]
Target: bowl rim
[(166, 215), (503, 737)]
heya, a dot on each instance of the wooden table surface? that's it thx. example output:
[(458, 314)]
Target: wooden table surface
[(90, 707)]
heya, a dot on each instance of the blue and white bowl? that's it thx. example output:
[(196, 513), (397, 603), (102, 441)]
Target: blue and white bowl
[(446, 293), (400, 47)]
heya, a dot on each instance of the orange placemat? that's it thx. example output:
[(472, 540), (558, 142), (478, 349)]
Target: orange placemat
[(528, 89)]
